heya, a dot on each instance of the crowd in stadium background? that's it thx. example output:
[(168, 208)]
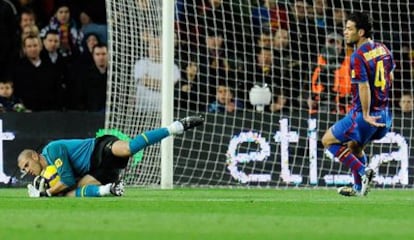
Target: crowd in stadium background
[(222, 48)]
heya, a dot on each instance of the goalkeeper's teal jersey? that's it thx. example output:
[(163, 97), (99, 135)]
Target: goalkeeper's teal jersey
[(72, 158)]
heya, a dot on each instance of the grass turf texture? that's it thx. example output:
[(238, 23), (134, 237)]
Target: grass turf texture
[(210, 214)]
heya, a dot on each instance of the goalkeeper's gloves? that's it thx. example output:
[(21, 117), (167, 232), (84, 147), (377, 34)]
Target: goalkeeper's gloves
[(34, 192)]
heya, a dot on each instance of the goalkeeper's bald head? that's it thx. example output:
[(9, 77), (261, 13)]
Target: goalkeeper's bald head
[(30, 162)]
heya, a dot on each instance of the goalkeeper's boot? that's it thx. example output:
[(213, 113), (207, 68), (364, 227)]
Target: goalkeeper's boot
[(191, 122), (117, 188), (178, 127), (348, 191), (366, 181)]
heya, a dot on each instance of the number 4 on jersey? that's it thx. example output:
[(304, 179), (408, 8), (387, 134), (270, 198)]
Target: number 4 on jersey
[(380, 76)]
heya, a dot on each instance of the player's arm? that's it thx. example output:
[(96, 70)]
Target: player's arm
[(57, 188), (365, 98), (359, 75), (392, 76), (60, 157)]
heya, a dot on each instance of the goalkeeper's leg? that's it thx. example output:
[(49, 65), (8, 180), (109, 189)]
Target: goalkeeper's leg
[(151, 137), (125, 149), (110, 189), (90, 186)]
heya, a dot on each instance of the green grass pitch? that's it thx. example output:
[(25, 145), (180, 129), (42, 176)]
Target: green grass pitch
[(210, 214)]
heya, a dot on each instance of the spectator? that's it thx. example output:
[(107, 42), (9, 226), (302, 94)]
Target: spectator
[(94, 8), (337, 22), (265, 39), (89, 42), (70, 38), (281, 42), (35, 81), (215, 62), (89, 27), (269, 14), (27, 30), (190, 91), (215, 58), (51, 43), (286, 61), (90, 94), (225, 101), (303, 37), (331, 82), (262, 72), (27, 26), (321, 15), (78, 70), (186, 23), (35, 7), (50, 54), (8, 29), (404, 71), (147, 73), (406, 103), (27, 18), (8, 101), (222, 15)]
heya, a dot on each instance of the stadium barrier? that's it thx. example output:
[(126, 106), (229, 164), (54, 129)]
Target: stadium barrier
[(284, 150), (247, 156)]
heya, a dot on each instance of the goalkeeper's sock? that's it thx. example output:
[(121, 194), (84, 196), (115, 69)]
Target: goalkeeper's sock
[(88, 191), (345, 156), (93, 191), (176, 128), (357, 176), (147, 138)]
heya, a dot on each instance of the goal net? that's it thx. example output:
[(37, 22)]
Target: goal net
[(269, 76)]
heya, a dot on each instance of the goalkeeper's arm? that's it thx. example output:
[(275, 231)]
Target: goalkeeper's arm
[(60, 158), (39, 188), (57, 188)]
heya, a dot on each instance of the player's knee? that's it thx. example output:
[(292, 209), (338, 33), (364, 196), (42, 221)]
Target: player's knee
[(121, 149), (328, 139), (325, 140), (356, 148)]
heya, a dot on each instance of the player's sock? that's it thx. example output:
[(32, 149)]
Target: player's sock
[(93, 190), (357, 177), (345, 156), (147, 138), (88, 191)]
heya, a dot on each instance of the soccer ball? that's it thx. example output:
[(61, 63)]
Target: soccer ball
[(48, 178)]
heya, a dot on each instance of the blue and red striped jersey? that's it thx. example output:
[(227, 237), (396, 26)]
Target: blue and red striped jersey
[(372, 62)]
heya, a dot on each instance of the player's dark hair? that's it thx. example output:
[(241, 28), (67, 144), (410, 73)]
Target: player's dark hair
[(362, 21)]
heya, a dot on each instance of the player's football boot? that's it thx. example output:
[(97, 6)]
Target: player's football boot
[(117, 188), (348, 191), (366, 180), (191, 122)]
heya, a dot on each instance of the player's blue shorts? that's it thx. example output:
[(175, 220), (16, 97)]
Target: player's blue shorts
[(354, 127)]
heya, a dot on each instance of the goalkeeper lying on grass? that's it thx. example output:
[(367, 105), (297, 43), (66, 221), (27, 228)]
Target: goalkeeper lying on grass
[(89, 167)]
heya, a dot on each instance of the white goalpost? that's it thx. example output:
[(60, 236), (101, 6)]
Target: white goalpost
[(167, 89), (269, 76)]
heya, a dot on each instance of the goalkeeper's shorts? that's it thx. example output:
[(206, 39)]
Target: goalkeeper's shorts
[(105, 167)]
